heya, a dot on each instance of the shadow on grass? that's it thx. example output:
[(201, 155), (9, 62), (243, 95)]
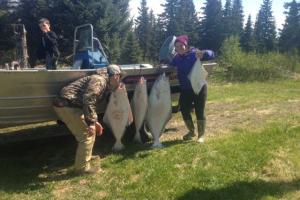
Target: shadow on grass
[(244, 190), (23, 163), (134, 149), (28, 165)]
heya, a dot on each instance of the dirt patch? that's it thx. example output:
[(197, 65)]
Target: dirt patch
[(280, 167), (135, 178), (101, 195), (223, 118), (62, 191)]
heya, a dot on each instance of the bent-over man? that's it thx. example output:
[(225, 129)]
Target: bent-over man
[(77, 106)]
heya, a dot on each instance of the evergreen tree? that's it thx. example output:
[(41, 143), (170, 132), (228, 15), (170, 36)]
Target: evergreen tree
[(29, 13), (237, 18), (6, 38), (227, 19), (132, 52), (113, 45), (290, 36), (108, 17), (264, 30), (154, 42), (187, 20), (159, 36), (227, 12), (3, 8), (233, 18), (247, 40), (169, 17), (3, 18), (211, 25), (143, 29)]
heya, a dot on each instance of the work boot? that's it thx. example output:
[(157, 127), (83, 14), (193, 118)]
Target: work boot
[(190, 126), (95, 157), (91, 170), (201, 130)]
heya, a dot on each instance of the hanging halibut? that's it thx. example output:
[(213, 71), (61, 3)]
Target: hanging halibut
[(159, 108), (197, 76), (139, 105), (118, 115)]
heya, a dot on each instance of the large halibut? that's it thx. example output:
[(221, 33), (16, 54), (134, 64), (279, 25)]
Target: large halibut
[(197, 76), (118, 115), (139, 105), (159, 108)]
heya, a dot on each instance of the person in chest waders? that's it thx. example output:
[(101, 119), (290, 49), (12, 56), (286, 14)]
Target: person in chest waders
[(183, 61)]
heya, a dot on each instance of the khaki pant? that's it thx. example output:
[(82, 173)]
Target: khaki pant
[(74, 120)]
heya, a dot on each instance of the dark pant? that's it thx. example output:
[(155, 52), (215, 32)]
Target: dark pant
[(186, 100), (51, 62)]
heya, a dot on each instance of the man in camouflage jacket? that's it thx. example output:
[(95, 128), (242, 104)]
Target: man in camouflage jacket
[(83, 98)]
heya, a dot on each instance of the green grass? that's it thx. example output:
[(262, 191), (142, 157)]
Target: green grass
[(247, 92), (246, 163)]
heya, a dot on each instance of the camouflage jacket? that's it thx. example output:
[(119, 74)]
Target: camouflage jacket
[(88, 93)]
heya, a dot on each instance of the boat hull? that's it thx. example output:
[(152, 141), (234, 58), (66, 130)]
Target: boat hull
[(26, 96)]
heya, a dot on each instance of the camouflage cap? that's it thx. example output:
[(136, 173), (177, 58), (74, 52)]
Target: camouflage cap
[(113, 69)]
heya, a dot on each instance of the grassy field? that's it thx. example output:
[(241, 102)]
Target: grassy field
[(252, 151)]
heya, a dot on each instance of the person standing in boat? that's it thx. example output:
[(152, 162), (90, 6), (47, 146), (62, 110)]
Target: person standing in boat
[(183, 61), (48, 49)]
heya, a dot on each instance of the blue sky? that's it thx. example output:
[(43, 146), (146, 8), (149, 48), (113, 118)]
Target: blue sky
[(250, 7)]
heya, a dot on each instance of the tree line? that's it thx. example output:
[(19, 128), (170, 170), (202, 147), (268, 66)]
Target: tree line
[(127, 40)]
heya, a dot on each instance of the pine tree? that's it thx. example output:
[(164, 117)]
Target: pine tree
[(143, 29), (108, 17), (169, 17), (132, 52), (154, 42), (159, 36), (187, 20), (3, 17), (247, 40), (6, 37), (113, 47), (227, 19), (264, 30), (211, 25), (233, 18), (29, 13), (237, 18), (290, 36), (227, 12), (3, 7)]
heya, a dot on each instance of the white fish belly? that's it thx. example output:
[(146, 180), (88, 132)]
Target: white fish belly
[(197, 76), (116, 114), (159, 108), (140, 104)]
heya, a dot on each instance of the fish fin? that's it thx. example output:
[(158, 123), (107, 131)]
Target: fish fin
[(105, 120), (130, 115)]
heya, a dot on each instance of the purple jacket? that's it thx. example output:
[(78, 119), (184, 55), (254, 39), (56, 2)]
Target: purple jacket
[(184, 64)]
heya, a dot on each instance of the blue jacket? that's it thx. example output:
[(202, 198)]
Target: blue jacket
[(184, 64)]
